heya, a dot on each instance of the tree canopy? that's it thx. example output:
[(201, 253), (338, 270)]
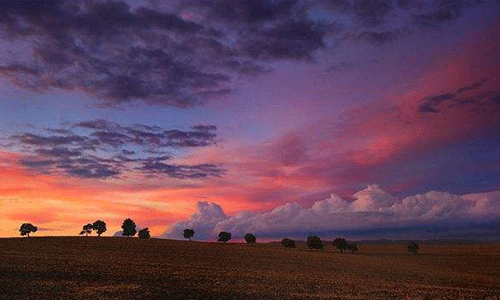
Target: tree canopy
[(87, 229), (352, 247), (144, 233), (27, 228), (224, 236), (250, 238), (340, 243), (413, 247), (288, 243), (314, 242), (99, 226), (188, 233), (128, 227)]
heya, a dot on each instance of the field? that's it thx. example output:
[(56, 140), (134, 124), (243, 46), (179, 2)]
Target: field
[(130, 268)]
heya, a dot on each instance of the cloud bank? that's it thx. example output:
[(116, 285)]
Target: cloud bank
[(372, 210), (102, 149)]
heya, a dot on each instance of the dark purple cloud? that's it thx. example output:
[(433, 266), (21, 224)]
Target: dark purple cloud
[(472, 97), (182, 171), (121, 52), (103, 149)]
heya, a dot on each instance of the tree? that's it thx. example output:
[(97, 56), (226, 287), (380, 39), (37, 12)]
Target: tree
[(27, 228), (86, 229), (144, 233), (224, 236), (99, 226), (288, 243), (352, 247), (314, 242), (188, 233), (128, 227), (250, 238), (340, 243), (413, 247)]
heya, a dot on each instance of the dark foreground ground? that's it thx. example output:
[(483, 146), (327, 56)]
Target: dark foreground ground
[(129, 268)]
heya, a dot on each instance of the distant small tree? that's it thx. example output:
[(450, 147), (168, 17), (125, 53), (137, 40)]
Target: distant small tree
[(99, 226), (188, 233), (27, 228), (288, 243), (87, 229), (413, 247), (128, 227), (352, 247), (144, 233), (224, 236), (250, 238), (340, 243), (314, 242)]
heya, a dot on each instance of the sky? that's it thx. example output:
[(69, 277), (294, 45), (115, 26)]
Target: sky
[(357, 118)]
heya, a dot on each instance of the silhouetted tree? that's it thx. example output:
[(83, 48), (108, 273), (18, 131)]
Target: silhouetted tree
[(224, 236), (340, 243), (27, 228), (128, 227), (86, 229), (144, 233), (352, 247), (99, 226), (314, 242), (188, 233), (288, 243), (413, 247), (250, 238)]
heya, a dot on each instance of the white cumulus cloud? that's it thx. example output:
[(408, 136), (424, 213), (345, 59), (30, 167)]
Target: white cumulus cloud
[(372, 208)]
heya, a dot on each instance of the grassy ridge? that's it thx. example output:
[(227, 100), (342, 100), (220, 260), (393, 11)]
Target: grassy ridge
[(130, 268)]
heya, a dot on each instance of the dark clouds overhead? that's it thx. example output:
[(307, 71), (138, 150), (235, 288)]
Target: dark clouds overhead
[(102, 149), (183, 53)]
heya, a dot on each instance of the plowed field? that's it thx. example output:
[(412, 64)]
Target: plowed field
[(130, 268)]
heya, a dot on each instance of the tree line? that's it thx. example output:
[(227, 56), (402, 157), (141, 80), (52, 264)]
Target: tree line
[(129, 229)]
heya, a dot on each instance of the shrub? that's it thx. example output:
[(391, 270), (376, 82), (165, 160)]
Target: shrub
[(314, 242), (250, 238), (413, 247), (288, 243), (144, 233), (224, 236)]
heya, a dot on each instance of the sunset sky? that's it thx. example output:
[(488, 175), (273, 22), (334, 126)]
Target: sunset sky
[(360, 118)]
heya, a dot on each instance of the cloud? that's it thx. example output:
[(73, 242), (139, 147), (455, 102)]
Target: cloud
[(471, 97), (203, 221), (182, 171), (122, 53), (103, 149), (184, 53), (374, 37), (372, 209), (371, 12)]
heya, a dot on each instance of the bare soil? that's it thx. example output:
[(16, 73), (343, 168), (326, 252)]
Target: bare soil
[(130, 268)]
